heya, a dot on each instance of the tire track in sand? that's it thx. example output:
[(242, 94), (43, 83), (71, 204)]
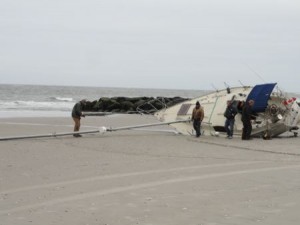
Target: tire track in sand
[(87, 195)]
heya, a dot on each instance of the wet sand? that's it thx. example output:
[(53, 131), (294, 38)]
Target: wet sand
[(143, 177)]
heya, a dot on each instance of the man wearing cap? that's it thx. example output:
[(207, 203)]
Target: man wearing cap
[(77, 114), (197, 117)]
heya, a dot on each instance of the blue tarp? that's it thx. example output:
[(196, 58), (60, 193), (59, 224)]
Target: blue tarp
[(261, 94)]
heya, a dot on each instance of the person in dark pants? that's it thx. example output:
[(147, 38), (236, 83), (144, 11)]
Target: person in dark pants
[(230, 119), (77, 114), (247, 114), (197, 117)]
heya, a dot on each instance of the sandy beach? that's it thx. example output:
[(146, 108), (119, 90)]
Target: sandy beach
[(151, 176)]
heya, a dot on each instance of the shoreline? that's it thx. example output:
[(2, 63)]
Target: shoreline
[(49, 124), (32, 114)]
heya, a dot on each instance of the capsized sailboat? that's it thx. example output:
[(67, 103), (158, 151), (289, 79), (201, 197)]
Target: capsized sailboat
[(275, 113)]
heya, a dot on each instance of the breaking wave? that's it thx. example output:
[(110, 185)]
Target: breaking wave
[(63, 99), (37, 105)]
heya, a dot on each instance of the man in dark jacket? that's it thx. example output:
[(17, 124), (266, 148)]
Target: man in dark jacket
[(229, 122), (247, 115), (77, 114)]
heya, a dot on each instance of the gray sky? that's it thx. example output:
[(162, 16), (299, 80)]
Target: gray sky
[(173, 44)]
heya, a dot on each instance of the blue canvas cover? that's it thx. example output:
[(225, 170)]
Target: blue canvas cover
[(261, 94)]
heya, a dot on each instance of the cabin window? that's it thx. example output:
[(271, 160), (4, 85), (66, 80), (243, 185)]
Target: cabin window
[(184, 109)]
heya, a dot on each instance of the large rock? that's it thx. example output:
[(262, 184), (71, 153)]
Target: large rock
[(131, 105)]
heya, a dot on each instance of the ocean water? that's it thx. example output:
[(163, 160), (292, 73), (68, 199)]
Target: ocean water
[(39, 100)]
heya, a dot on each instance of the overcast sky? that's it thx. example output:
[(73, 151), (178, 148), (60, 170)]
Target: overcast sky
[(172, 44)]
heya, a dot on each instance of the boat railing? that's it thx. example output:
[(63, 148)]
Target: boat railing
[(150, 108)]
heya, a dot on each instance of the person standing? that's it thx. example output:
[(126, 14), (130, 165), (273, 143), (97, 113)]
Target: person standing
[(247, 115), (197, 117), (77, 114), (230, 119)]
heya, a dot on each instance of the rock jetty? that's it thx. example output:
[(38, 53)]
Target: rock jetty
[(146, 105)]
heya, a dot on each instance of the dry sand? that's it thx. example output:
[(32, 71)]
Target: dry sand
[(142, 177)]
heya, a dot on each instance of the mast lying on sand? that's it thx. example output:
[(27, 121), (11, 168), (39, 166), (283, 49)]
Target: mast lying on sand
[(101, 130)]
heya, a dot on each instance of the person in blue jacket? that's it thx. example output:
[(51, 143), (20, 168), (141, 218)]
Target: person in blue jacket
[(230, 119)]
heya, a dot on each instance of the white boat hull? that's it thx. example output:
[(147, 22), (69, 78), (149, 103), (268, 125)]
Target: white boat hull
[(275, 120)]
